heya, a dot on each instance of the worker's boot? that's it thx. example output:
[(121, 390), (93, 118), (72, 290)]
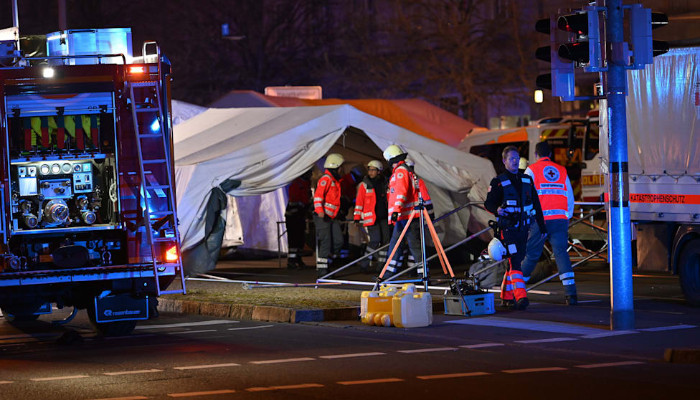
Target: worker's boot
[(571, 300), (522, 304)]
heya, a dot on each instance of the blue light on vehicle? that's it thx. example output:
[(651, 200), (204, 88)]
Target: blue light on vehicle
[(155, 126)]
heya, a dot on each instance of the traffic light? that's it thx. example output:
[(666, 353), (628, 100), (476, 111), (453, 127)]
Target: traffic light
[(583, 47), (561, 78), (644, 48)]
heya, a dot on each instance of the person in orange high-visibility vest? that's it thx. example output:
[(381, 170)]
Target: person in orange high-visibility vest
[(428, 204), (402, 200), (295, 218), (513, 199), (557, 199), (329, 237), (371, 211)]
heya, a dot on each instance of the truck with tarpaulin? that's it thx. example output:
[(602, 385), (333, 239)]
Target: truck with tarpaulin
[(663, 146), (88, 216)]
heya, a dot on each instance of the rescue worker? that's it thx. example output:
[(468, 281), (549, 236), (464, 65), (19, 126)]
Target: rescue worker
[(402, 199), (371, 210), (428, 204), (299, 192), (557, 199), (348, 191), (329, 237), (513, 199)]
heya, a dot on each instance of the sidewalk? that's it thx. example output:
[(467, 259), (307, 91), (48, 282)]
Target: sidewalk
[(658, 298)]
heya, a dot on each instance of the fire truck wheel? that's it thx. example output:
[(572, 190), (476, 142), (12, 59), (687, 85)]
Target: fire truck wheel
[(116, 328), (689, 271), (18, 317)]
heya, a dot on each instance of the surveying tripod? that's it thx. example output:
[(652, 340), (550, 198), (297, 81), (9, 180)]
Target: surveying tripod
[(425, 220)]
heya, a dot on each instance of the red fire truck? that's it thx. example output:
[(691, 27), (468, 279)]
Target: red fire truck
[(88, 217)]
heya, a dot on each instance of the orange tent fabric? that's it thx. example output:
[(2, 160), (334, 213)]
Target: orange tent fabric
[(416, 115)]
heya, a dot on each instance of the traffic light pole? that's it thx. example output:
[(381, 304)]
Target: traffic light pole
[(621, 296)]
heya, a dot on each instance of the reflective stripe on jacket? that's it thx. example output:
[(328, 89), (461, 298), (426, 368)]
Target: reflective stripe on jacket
[(518, 206), (551, 183), (402, 197), (365, 205), (327, 195)]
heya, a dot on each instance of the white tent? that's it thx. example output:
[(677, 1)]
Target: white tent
[(266, 148)]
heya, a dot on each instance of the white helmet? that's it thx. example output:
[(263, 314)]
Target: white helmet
[(496, 250), (375, 164), (393, 151), (333, 160)]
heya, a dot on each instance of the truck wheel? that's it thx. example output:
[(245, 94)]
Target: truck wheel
[(12, 315), (689, 271), (116, 328)]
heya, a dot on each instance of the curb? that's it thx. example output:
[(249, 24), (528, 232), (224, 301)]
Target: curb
[(257, 313), (682, 356)]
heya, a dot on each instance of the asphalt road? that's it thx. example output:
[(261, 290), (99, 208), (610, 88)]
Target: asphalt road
[(548, 351)]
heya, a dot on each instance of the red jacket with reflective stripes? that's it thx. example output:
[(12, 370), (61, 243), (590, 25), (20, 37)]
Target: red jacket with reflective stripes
[(327, 195), (365, 205), (403, 196), (551, 185)]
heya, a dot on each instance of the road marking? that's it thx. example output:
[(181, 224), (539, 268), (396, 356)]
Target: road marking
[(192, 394), (550, 340), (250, 327), (32, 336), (182, 324), (352, 355), (457, 375), (58, 378), (143, 371), (613, 364), (370, 381), (427, 350), (667, 328), (125, 398), (285, 387), (188, 332), (608, 334), (285, 360), (531, 325), (526, 370), (207, 366), (589, 301), (481, 345), (5, 382)]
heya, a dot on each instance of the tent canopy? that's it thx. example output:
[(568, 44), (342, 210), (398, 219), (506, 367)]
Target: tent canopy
[(266, 148), (415, 115)]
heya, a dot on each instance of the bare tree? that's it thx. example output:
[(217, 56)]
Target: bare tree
[(469, 49)]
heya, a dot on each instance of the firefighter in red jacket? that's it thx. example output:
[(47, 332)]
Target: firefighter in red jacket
[(371, 210), (402, 200), (428, 204), (299, 192), (329, 237)]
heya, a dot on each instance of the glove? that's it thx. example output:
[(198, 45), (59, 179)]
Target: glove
[(326, 217), (394, 216), (357, 222)]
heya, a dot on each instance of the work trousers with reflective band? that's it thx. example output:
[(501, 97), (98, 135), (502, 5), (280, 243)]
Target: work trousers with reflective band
[(379, 235), (329, 241), (513, 286), (558, 236), (296, 235), (412, 237)]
